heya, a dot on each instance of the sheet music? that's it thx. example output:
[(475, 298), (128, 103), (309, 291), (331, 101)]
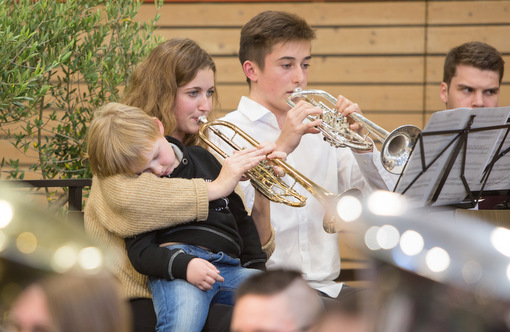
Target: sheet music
[(499, 178), (480, 147)]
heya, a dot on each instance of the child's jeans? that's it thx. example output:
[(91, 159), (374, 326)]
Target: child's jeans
[(181, 306)]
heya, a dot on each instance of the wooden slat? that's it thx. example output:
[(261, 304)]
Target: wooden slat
[(378, 69), (387, 41), (442, 39), (468, 12), (369, 40), (330, 41), (316, 13)]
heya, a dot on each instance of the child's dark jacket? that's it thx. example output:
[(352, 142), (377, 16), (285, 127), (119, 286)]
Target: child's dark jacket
[(228, 227)]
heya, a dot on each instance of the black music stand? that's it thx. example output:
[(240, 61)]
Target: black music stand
[(443, 165)]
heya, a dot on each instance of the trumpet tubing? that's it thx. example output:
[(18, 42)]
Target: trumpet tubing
[(397, 145), (261, 176), (271, 186)]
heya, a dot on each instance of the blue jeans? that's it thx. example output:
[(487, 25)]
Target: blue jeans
[(181, 306)]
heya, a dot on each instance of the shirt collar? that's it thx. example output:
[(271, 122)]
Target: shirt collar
[(254, 111)]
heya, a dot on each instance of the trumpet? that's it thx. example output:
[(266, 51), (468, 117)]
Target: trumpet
[(397, 145), (268, 183)]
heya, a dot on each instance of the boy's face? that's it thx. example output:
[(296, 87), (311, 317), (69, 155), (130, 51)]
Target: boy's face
[(286, 68), (471, 87), (192, 101), (161, 159)]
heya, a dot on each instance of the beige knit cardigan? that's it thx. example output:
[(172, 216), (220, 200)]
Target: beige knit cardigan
[(120, 206)]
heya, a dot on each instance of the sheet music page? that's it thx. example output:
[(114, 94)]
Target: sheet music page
[(499, 178), (480, 146), (433, 145)]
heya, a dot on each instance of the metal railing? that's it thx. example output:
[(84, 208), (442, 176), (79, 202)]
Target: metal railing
[(75, 187)]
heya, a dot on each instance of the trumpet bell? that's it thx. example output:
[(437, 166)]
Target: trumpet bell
[(397, 148), (339, 209)]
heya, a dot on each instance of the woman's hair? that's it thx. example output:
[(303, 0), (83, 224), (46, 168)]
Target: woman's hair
[(118, 138), (268, 28), (153, 85)]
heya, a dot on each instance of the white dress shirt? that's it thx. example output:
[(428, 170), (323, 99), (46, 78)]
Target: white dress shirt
[(301, 242)]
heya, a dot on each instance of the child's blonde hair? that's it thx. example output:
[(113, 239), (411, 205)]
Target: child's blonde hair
[(118, 137)]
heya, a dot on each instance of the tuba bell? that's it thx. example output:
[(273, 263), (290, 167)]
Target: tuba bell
[(269, 184), (397, 145)]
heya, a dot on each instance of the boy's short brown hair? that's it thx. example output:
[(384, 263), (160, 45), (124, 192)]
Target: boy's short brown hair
[(118, 137), (475, 54), (268, 28)]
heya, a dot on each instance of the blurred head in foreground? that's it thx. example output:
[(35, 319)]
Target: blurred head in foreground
[(68, 302), (276, 300)]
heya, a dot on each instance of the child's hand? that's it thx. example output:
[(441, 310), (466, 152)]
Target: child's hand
[(233, 169), (235, 166), (202, 274)]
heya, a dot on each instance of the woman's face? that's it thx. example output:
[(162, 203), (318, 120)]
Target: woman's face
[(192, 101)]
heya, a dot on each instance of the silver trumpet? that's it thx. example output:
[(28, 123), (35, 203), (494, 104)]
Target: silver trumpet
[(397, 145), (268, 183)]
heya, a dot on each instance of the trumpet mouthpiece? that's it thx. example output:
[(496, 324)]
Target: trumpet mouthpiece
[(202, 120)]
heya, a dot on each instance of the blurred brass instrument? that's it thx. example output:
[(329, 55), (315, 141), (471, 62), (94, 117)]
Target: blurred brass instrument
[(397, 145), (268, 183)]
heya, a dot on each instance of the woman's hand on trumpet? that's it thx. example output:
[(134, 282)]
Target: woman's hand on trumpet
[(295, 126), (272, 154), (235, 166)]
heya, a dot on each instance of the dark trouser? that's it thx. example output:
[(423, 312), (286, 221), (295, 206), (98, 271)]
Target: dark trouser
[(144, 318)]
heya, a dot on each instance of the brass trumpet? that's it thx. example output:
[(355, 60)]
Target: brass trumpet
[(267, 183), (397, 145)]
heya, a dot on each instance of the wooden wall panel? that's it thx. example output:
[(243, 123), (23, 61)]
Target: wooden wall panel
[(316, 13), (331, 41), (468, 12), (367, 70), (442, 38), (385, 55)]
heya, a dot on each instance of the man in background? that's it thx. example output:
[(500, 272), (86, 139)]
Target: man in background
[(472, 76)]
